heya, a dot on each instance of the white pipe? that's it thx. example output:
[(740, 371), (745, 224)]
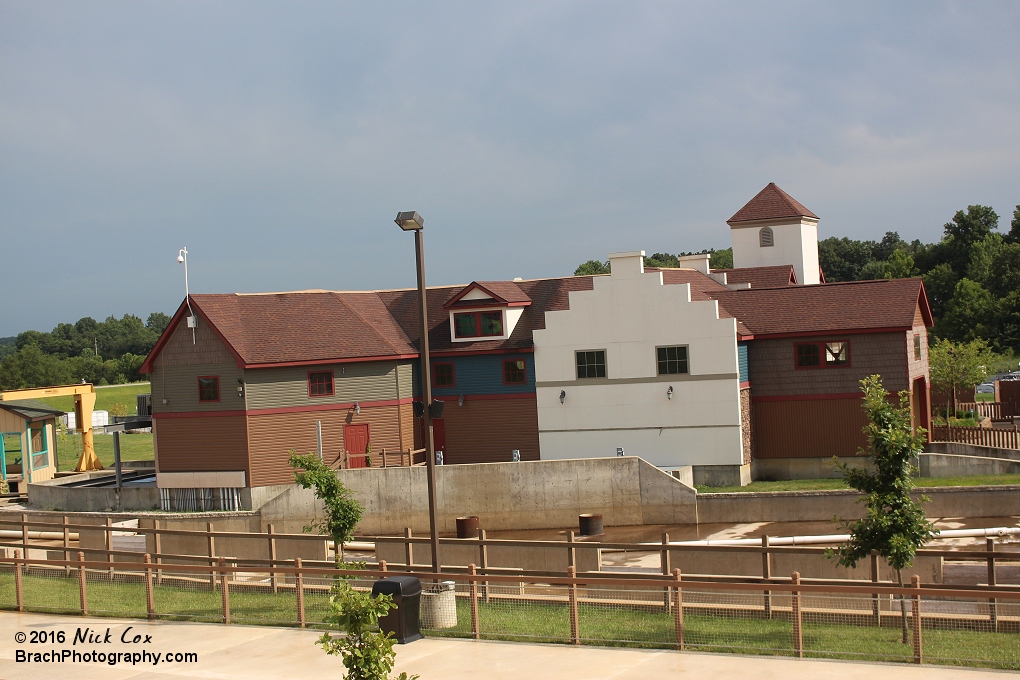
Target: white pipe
[(995, 532), (41, 535)]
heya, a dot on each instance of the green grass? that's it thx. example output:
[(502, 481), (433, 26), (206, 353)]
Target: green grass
[(132, 447), (106, 397), (826, 484), (599, 624)]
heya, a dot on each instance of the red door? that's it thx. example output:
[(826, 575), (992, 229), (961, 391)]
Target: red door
[(356, 444), (438, 436)]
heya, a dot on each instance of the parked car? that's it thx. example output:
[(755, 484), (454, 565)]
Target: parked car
[(985, 388)]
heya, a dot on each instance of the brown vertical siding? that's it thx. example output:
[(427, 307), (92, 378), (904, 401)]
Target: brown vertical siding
[(808, 428), (202, 444), (273, 436), (488, 430), (774, 373)]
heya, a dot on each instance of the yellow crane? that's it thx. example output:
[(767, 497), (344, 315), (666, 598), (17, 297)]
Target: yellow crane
[(84, 402)]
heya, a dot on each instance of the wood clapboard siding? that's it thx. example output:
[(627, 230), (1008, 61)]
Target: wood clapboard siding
[(272, 436), (487, 430), (214, 443), (287, 387), (179, 386), (807, 428), (483, 374), (774, 372)]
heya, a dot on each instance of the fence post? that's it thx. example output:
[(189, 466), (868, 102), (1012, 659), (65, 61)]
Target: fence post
[(383, 566), (81, 584), (575, 633), (915, 583), (664, 569), (993, 614), (875, 611), (678, 611), (67, 553), (226, 590), (798, 631), (212, 553), (766, 574), (299, 589), (109, 544), (24, 530), (18, 590), (150, 599), (475, 631), (408, 548), (273, 577), (158, 545), (483, 560), (571, 552)]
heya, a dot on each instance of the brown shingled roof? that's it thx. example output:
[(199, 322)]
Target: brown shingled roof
[(828, 307), (771, 203), (503, 292), (761, 277)]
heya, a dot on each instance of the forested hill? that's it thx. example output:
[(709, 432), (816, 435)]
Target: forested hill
[(971, 275), (100, 352)]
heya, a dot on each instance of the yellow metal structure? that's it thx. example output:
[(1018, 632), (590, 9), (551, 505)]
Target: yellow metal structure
[(84, 402)]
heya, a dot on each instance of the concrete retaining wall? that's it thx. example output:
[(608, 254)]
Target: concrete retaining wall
[(529, 559), (952, 465), (51, 495), (776, 469), (822, 506), (971, 450), (527, 495)]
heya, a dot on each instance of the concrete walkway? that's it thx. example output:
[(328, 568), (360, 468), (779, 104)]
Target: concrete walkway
[(249, 652)]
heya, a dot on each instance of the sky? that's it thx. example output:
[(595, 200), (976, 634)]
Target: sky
[(278, 140)]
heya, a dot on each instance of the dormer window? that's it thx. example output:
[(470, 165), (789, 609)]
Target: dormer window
[(478, 324)]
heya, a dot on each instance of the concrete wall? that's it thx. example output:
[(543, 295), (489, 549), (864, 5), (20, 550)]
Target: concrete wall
[(554, 559), (628, 408), (972, 450), (822, 506), (775, 469), (951, 465), (526, 495), (50, 495)]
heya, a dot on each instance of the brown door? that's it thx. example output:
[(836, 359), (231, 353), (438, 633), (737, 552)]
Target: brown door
[(356, 444), (919, 399), (439, 437)]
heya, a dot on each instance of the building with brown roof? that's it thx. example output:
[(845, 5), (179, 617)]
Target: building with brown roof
[(759, 373)]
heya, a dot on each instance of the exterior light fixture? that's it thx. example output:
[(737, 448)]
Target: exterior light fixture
[(669, 393), (563, 395), (619, 450), (410, 220), (515, 455), (357, 408), (240, 387), (182, 258), (460, 400)]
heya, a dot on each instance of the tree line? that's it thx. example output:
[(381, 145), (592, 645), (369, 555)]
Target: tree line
[(971, 274), (100, 352)]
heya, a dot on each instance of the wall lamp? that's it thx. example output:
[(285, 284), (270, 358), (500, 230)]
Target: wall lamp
[(460, 400), (563, 395), (357, 408), (669, 393), (240, 387)]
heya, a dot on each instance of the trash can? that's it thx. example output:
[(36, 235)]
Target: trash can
[(439, 606), (406, 594)]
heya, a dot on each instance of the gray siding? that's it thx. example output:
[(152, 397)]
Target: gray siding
[(362, 382), (176, 370)]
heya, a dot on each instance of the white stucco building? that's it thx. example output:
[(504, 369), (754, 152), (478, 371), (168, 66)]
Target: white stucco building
[(636, 363)]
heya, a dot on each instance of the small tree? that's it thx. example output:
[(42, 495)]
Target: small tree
[(342, 512), (894, 525), (367, 653), (956, 365)]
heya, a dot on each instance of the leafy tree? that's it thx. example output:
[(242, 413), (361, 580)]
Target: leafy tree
[(662, 260), (1007, 323), (343, 512), (1004, 276), (30, 367), (842, 259), (939, 284), (889, 244), (367, 653), (157, 322), (1014, 227), (722, 259), (969, 314), (983, 253), (592, 267), (966, 229), (894, 525), (958, 365), (899, 265)]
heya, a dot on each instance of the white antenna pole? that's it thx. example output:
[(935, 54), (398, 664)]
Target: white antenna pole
[(182, 257)]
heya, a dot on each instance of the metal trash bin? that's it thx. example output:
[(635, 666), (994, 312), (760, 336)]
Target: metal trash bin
[(439, 606), (403, 621)]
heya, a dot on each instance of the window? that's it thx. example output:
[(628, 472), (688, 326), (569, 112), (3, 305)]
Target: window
[(514, 372), (320, 384), (917, 345), (822, 354), (209, 388), (478, 324), (591, 364), (807, 356), (443, 375), (671, 360), (766, 238), (837, 353)]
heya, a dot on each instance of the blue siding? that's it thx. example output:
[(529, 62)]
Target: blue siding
[(481, 374), (742, 362)]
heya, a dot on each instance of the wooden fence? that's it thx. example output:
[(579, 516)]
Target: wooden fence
[(998, 411), (995, 437)]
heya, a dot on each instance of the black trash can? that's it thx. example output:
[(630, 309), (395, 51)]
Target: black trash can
[(403, 621)]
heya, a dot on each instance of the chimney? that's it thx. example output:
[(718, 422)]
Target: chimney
[(627, 265), (699, 262)]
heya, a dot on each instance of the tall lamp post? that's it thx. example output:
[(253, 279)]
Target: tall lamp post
[(412, 221)]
